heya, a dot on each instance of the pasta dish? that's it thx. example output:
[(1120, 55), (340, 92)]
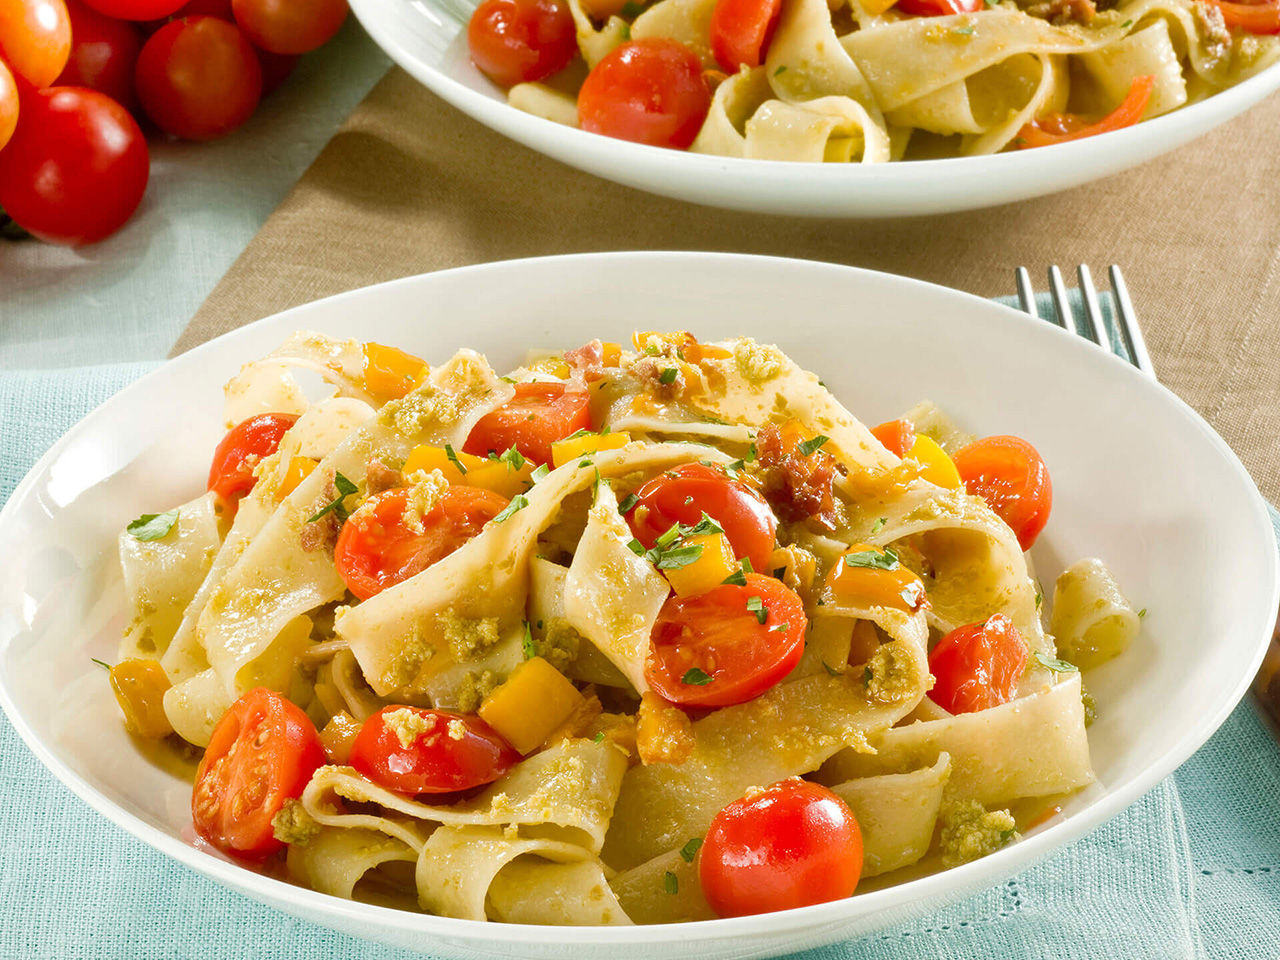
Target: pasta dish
[(635, 633)]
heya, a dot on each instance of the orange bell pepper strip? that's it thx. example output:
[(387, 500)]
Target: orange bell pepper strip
[(1062, 127)]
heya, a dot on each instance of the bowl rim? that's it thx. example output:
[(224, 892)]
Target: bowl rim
[(945, 886)]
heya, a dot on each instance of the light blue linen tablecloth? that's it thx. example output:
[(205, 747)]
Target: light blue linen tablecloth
[(1191, 871)]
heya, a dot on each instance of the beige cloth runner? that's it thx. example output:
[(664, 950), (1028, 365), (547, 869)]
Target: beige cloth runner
[(409, 185)]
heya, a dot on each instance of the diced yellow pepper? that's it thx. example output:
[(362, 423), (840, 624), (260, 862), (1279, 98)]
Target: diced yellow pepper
[(612, 354), (533, 703), (338, 735), (713, 565), (139, 686), (876, 7), (938, 467), (390, 373), (496, 475), (867, 586), (565, 451), (298, 470), (552, 367)]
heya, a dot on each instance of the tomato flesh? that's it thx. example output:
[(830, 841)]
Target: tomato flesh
[(1011, 476), (1260, 18), (536, 417), (938, 8), (1064, 127), (244, 446), (896, 436), (792, 844), (520, 41), (727, 645), (648, 91), (262, 753), (103, 54), (684, 494), (446, 752), (741, 31), (976, 667), (378, 549)]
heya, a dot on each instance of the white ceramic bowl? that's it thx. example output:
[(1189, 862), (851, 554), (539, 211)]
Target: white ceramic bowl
[(428, 39), (1139, 479)]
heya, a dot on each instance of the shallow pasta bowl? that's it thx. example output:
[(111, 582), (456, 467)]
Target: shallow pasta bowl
[(1139, 479), (428, 39)]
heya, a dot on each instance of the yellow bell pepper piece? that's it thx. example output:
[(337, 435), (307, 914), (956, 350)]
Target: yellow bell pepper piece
[(552, 367), (390, 373), (612, 354), (876, 7), (574, 448), (938, 467), (713, 565), (874, 586), (139, 686), (496, 475), (298, 470), (533, 703)]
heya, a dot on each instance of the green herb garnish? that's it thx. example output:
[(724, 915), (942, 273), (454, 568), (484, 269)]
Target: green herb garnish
[(831, 671), (1053, 663), (518, 502), (737, 578), (809, 446), (628, 503), (345, 489), (874, 559), (756, 606), (879, 525), (453, 458), (153, 526), (690, 849), (512, 457), (599, 737), (103, 665), (670, 883), (668, 376), (695, 677), (527, 645)]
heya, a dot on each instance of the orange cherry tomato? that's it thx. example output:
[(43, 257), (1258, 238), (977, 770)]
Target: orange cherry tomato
[(649, 91), (262, 753), (448, 752), (378, 549), (792, 844), (244, 446), (104, 51), (536, 417), (976, 667), (727, 645), (520, 41), (1011, 476), (289, 26), (1260, 18), (1062, 127), (8, 104), (741, 31), (897, 436), (35, 38), (682, 495)]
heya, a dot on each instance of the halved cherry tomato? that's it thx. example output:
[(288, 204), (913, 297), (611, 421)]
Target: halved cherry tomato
[(939, 8), (536, 417), (262, 753), (741, 31), (897, 436), (684, 494), (520, 41), (1260, 18), (649, 91), (727, 645), (1011, 476), (445, 752), (378, 549), (103, 53), (35, 38), (1062, 127), (977, 666), (792, 844), (247, 443), (289, 26), (796, 483)]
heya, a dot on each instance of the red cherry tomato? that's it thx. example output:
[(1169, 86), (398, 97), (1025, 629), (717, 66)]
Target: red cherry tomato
[(289, 26), (136, 9), (682, 495), (248, 442), (446, 752), (198, 78), (741, 31), (377, 549), (519, 41), (276, 69), (103, 54), (536, 417), (1261, 18), (977, 666), (720, 635), (648, 91), (8, 104), (1011, 476), (938, 8), (791, 844), (262, 753), (35, 38), (897, 436), (76, 167)]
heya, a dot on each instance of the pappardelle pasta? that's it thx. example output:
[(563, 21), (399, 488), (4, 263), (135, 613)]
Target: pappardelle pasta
[(595, 641), (865, 81)]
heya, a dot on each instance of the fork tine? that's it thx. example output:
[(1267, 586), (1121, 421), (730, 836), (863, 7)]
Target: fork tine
[(1026, 295), (1061, 303), (1092, 309), (1127, 321)]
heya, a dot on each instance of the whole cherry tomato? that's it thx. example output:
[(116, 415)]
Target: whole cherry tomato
[(741, 31), (1011, 476), (8, 104), (136, 9), (76, 167), (446, 752), (244, 446), (792, 844), (104, 52), (977, 666), (649, 91), (199, 78), (519, 41), (35, 38), (536, 417), (276, 69), (289, 26), (262, 753)]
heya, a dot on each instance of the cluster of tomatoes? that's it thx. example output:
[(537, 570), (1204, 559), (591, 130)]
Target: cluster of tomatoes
[(78, 76)]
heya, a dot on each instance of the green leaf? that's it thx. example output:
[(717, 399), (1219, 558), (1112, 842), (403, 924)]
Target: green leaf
[(746, 565), (756, 606), (780, 70), (1053, 663), (511, 457), (780, 628), (1006, 835), (809, 446), (636, 547), (153, 526), (867, 674), (345, 489), (678, 557), (453, 458), (963, 31), (703, 528), (690, 849), (879, 525), (518, 503), (831, 671), (737, 578), (668, 537), (628, 503), (102, 664), (580, 432), (695, 677), (539, 473), (599, 737), (1127, 23), (752, 454), (527, 645), (668, 376), (1142, 614), (670, 883), (873, 559)]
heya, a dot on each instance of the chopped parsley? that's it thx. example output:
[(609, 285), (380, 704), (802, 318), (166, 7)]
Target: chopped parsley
[(780, 628), (539, 473), (102, 664), (625, 33), (1142, 614), (879, 525), (1053, 663), (668, 376), (1127, 23), (518, 503), (780, 70), (874, 559), (345, 489), (599, 737), (963, 31), (453, 458), (737, 578), (580, 432), (756, 606), (751, 453), (746, 565), (511, 457), (527, 645), (632, 9), (703, 528), (867, 674), (809, 446), (628, 503), (153, 526), (831, 671), (695, 677), (690, 849), (1006, 835), (670, 883)]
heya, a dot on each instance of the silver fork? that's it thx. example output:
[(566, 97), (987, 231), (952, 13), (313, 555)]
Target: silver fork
[(1129, 346)]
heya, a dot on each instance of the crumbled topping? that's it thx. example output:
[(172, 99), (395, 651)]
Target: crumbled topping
[(466, 637), (758, 362), (889, 675), (422, 497), (293, 824), (408, 724), (457, 729), (970, 831), (415, 651), (414, 413), (473, 688)]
